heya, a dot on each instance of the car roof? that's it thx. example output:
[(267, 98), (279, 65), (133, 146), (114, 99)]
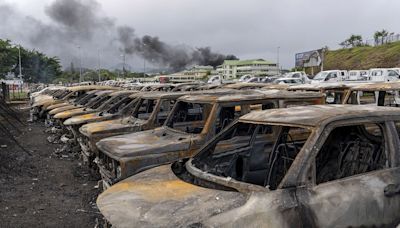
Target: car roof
[(315, 115), (102, 92), (379, 86), (90, 87), (157, 95), (121, 92), (242, 85), (249, 95), (275, 86), (320, 86)]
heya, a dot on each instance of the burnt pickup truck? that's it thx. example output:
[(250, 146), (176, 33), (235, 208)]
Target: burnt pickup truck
[(335, 92), (330, 166), (379, 93), (150, 111), (194, 120)]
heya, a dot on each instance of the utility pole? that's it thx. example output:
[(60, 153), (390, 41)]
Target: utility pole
[(144, 67), (144, 63), (98, 65), (123, 65), (80, 64), (277, 60), (19, 62)]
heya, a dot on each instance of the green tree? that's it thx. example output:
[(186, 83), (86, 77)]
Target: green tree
[(380, 37), (35, 66), (352, 41), (8, 57)]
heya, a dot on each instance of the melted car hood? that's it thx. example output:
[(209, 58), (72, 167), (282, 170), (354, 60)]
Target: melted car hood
[(157, 198), (72, 112), (61, 108), (45, 101), (85, 118), (54, 106), (159, 140), (103, 127)]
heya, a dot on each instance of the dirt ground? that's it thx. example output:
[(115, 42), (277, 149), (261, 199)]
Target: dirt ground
[(44, 189)]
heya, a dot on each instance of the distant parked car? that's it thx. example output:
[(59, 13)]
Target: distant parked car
[(383, 75), (245, 77), (298, 74), (357, 75), (254, 79), (288, 81), (330, 76)]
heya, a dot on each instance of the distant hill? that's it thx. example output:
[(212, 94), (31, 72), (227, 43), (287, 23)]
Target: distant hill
[(360, 58)]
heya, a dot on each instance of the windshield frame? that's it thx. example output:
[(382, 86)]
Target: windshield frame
[(213, 107), (230, 182)]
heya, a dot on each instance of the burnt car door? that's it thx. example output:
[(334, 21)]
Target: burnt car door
[(354, 177)]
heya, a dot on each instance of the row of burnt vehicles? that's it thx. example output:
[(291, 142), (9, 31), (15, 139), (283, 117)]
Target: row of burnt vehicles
[(241, 155)]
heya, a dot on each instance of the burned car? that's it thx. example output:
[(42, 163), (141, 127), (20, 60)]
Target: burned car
[(331, 166), (335, 92), (379, 93), (80, 101), (243, 86), (194, 120), (103, 101), (39, 107), (150, 111)]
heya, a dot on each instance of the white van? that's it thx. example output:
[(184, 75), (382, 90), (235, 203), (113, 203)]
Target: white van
[(383, 75), (357, 75), (330, 76)]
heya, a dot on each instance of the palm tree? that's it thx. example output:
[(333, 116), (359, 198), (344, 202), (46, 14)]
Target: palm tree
[(377, 37), (384, 34)]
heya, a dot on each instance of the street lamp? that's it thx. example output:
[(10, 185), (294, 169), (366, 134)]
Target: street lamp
[(80, 63), (144, 62), (277, 60)]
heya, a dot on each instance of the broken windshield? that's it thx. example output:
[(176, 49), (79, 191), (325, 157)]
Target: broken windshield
[(253, 153), (189, 117), (146, 107)]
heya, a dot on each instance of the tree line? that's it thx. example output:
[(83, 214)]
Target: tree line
[(380, 37), (36, 66)]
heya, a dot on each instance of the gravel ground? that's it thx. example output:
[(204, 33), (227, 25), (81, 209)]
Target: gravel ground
[(44, 189)]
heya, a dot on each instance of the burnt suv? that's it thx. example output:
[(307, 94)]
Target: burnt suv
[(150, 111), (194, 120), (331, 166)]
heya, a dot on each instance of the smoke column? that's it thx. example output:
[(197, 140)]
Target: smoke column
[(79, 26)]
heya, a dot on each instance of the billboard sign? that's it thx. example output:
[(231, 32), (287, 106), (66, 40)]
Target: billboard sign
[(309, 58)]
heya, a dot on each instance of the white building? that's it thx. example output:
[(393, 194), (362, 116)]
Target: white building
[(196, 73), (232, 69)]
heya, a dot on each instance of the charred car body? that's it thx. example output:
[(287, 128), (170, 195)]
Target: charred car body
[(380, 94), (150, 111), (335, 92), (331, 166), (193, 121), (38, 108)]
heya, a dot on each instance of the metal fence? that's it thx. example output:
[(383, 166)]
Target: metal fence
[(12, 92), (383, 40)]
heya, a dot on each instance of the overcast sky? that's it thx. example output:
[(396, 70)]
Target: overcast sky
[(247, 29)]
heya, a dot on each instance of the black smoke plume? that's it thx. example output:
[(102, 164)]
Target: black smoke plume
[(79, 30)]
